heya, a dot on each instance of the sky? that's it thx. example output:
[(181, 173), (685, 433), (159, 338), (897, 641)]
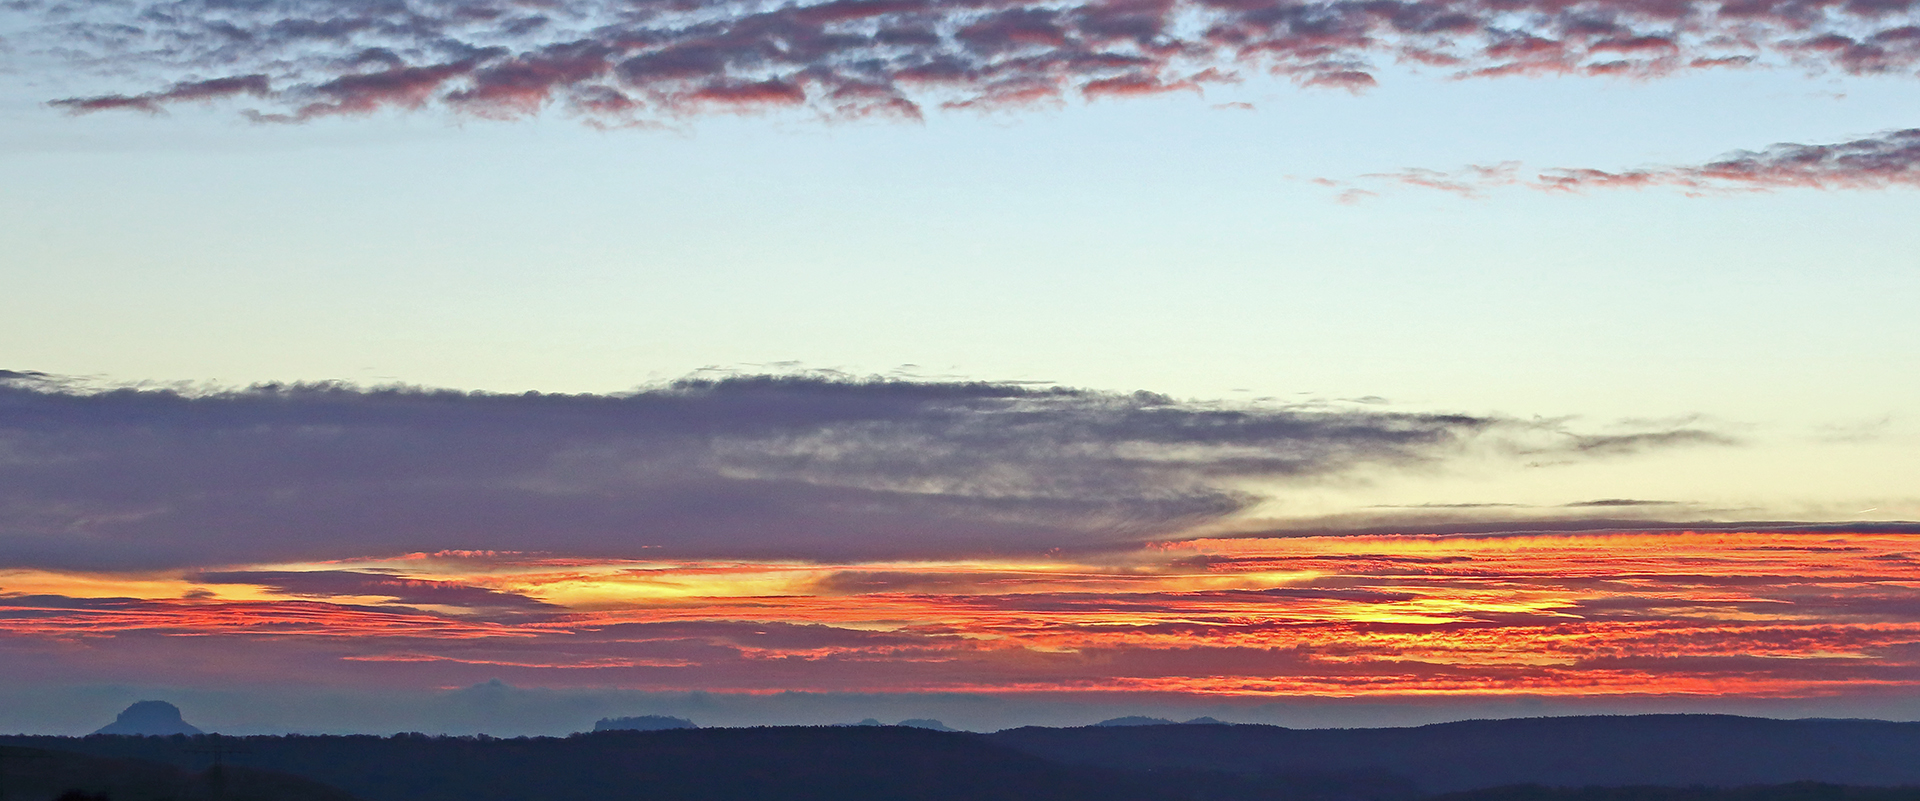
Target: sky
[(388, 365)]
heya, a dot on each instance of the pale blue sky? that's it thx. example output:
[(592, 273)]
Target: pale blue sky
[(1154, 243)]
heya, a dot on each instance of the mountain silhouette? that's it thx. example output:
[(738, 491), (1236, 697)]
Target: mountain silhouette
[(1135, 720), (150, 718), (643, 723)]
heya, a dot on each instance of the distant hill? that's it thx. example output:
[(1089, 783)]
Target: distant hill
[(643, 723), (150, 718), (1672, 750), (33, 774)]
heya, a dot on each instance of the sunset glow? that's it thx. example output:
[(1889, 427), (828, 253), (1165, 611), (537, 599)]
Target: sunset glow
[(506, 366), (1763, 614)]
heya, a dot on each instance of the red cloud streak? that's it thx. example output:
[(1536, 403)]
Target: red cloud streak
[(1761, 614)]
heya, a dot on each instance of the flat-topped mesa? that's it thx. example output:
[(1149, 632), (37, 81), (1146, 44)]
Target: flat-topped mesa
[(148, 718), (643, 723)]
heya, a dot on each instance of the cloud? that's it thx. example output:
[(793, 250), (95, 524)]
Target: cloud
[(1883, 161), (1618, 502), (333, 583), (153, 102), (1623, 613), (1636, 442), (613, 62), (816, 466)]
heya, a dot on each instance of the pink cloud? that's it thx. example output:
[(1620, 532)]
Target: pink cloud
[(612, 62), (1131, 85), (769, 92)]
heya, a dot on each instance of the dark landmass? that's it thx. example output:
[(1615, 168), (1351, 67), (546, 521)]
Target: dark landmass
[(1798, 791), (827, 763), (34, 774), (150, 718), (1643, 758), (1663, 750), (643, 723)]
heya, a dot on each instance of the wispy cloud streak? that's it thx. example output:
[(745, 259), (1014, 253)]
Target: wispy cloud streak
[(619, 62), (1884, 161), (1888, 160)]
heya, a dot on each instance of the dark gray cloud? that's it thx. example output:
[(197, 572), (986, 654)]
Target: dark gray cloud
[(1619, 502), (152, 102), (1623, 444), (626, 60), (750, 465)]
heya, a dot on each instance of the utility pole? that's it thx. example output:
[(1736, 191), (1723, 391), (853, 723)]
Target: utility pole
[(217, 747)]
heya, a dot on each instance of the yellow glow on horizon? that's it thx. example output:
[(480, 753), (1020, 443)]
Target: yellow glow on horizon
[(24, 581)]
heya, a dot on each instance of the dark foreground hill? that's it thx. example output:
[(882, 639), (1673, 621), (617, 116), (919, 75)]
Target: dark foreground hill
[(1697, 758), (33, 774), (840, 763), (1797, 791)]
